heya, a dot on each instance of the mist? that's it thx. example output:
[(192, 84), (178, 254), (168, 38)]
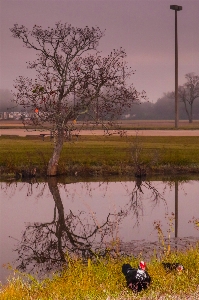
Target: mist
[(6, 103)]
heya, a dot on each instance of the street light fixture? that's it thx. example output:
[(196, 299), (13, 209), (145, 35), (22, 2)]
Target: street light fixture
[(176, 8)]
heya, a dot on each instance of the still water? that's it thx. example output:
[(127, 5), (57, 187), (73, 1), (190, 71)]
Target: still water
[(41, 222)]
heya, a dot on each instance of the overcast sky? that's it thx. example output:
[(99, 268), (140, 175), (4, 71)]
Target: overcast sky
[(144, 28)]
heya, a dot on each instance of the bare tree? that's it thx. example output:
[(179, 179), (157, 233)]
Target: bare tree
[(72, 79), (188, 93)]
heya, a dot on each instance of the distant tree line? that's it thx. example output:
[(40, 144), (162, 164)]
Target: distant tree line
[(162, 109)]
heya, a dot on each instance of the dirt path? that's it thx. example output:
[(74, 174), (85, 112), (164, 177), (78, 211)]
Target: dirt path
[(22, 132)]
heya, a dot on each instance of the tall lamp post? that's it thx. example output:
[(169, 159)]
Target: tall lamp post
[(176, 8)]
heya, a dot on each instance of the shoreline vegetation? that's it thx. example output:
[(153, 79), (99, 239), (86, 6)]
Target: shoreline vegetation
[(102, 279)]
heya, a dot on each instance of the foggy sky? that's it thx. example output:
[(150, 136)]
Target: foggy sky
[(144, 28)]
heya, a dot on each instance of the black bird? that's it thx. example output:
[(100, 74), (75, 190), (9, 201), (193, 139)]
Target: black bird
[(173, 266), (137, 279)]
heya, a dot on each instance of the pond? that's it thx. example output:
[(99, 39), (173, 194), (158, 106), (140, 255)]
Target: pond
[(44, 222)]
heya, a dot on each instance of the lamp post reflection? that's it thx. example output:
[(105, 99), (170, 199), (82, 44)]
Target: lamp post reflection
[(176, 208)]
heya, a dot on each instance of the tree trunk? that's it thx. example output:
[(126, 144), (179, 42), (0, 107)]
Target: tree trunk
[(191, 113), (53, 162)]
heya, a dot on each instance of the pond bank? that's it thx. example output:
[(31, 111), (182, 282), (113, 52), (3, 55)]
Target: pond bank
[(18, 172), (102, 279)]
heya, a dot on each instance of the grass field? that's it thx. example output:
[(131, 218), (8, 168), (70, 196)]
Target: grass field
[(102, 155), (126, 124)]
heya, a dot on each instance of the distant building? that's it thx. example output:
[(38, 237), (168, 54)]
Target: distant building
[(14, 115)]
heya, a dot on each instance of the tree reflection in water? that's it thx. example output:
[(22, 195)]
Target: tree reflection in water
[(44, 247), (137, 195)]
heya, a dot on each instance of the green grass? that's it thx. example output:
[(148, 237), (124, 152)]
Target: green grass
[(102, 279), (99, 154)]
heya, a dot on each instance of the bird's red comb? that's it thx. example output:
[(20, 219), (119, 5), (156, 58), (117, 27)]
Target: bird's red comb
[(142, 265)]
